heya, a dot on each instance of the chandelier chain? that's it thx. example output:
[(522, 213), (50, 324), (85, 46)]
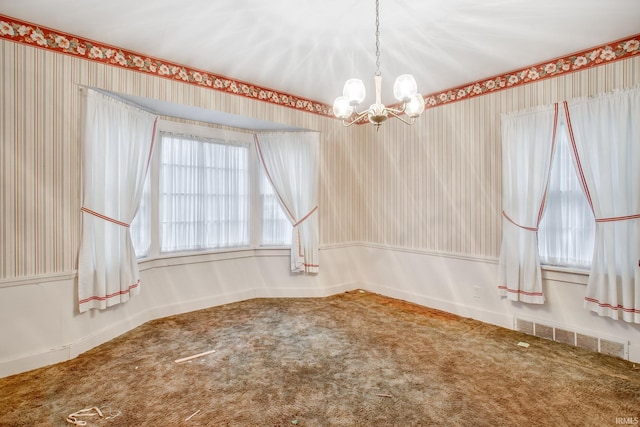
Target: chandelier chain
[(378, 38)]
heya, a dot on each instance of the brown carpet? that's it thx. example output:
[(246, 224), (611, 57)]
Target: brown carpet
[(355, 359)]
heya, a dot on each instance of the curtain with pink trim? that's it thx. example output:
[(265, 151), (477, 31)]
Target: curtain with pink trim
[(290, 161), (528, 140), (117, 146), (605, 138)]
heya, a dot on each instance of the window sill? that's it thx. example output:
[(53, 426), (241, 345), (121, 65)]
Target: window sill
[(192, 257), (565, 274)]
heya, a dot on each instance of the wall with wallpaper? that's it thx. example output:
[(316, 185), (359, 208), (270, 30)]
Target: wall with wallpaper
[(411, 212)]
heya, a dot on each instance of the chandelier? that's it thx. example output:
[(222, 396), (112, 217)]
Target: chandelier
[(405, 91)]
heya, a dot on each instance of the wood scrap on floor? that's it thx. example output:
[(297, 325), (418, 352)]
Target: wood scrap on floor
[(192, 415), (87, 412), (195, 356), (92, 412)]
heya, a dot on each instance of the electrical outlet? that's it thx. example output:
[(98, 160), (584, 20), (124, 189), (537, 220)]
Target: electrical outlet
[(477, 292)]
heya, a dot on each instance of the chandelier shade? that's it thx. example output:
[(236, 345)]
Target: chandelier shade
[(341, 108), (354, 91), (405, 90), (415, 106)]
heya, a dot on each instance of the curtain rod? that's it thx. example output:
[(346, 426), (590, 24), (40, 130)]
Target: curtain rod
[(117, 98)]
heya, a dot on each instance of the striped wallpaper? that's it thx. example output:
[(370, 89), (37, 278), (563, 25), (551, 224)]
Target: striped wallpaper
[(39, 162), (40, 159), (434, 186)]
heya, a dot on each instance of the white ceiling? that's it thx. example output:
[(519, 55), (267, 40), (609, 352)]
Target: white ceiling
[(309, 48)]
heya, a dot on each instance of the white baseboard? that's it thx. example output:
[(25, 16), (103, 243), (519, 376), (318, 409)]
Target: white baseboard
[(493, 318), (72, 350), (117, 329), (34, 361)]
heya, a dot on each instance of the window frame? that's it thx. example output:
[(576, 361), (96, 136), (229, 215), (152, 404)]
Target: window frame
[(233, 137)]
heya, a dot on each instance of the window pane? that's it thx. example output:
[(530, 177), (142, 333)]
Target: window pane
[(276, 228), (204, 194), (567, 229)]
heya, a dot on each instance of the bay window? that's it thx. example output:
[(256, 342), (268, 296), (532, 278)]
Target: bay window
[(206, 191)]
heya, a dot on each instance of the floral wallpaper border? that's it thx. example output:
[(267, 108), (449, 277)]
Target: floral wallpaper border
[(42, 37), (614, 51), (45, 38)]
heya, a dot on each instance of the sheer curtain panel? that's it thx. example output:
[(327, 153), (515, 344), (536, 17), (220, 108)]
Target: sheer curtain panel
[(290, 161), (567, 229), (605, 138), (276, 228), (528, 140), (117, 147), (204, 193)]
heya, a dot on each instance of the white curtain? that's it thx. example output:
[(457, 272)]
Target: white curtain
[(567, 229), (117, 146), (290, 161), (140, 227), (276, 227), (605, 137), (528, 140)]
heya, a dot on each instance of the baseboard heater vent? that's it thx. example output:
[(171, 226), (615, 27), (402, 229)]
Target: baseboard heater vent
[(611, 346)]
